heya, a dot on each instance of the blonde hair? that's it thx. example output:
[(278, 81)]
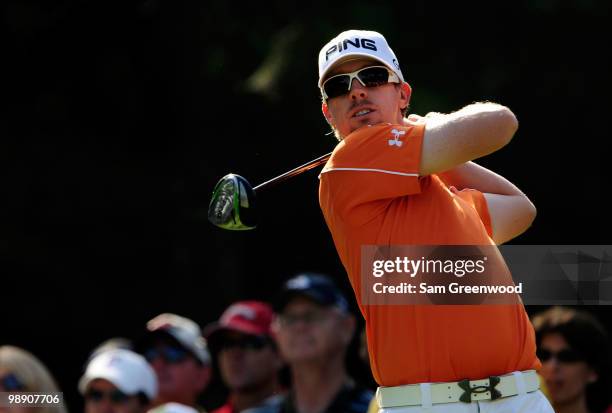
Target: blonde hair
[(31, 372)]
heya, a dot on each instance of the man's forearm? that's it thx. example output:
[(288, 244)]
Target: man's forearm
[(470, 133), (474, 176), (510, 210)]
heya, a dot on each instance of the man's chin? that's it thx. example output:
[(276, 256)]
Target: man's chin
[(358, 123)]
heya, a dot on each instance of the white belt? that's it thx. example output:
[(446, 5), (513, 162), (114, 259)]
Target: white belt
[(467, 391)]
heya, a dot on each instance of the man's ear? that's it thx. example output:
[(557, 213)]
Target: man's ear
[(405, 94), (326, 113)]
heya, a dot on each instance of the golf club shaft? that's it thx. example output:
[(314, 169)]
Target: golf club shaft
[(303, 168)]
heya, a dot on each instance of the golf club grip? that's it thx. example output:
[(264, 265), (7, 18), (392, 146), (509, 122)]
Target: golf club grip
[(303, 168)]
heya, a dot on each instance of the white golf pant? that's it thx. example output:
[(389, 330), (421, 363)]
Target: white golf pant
[(534, 402)]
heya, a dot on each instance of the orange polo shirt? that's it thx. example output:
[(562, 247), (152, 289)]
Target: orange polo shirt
[(371, 194)]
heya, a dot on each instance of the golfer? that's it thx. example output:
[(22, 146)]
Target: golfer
[(397, 180)]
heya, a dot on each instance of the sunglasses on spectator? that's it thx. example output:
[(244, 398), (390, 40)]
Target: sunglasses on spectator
[(563, 356), (10, 382), (370, 76), (115, 396), (244, 343), (171, 355), (309, 317)]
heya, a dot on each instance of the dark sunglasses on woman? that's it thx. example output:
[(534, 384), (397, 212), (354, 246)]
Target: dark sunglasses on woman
[(564, 356)]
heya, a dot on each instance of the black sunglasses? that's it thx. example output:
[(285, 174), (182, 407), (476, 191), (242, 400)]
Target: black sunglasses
[(370, 76), (309, 317), (10, 382), (563, 356), (244, 343), (171, 355), (115, 396)]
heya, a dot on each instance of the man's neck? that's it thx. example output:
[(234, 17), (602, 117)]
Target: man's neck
[(245, 399), (315, 385)]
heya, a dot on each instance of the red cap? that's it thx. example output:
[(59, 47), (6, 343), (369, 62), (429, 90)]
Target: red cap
[(247, 317)]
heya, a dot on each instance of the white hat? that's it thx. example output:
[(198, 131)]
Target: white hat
[(357, 43), (126, 370), (173, 408), (183, 330)]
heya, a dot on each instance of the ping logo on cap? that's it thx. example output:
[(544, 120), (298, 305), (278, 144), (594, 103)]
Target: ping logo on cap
[(346, 43)]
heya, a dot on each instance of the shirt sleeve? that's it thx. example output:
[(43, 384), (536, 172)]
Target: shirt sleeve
[(479, 202), (373, 166)]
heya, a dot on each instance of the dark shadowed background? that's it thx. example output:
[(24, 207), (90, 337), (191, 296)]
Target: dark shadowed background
[(119, 117)]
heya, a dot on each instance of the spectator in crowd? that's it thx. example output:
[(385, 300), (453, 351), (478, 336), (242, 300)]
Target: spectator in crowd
[(178, 353), (248, 360), (118, 381), (20, 371), (313, 331), (574, 350)]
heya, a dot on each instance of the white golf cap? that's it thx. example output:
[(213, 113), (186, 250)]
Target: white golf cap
[(126, 370), (353, 44), (173, 408), (184, 330)]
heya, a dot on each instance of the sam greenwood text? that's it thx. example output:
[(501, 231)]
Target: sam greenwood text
[(452, 288)]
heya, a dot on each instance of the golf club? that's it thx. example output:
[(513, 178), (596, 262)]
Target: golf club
[(232, 205)]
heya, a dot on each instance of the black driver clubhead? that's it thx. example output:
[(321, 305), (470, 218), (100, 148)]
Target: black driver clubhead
[(233, 204)]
